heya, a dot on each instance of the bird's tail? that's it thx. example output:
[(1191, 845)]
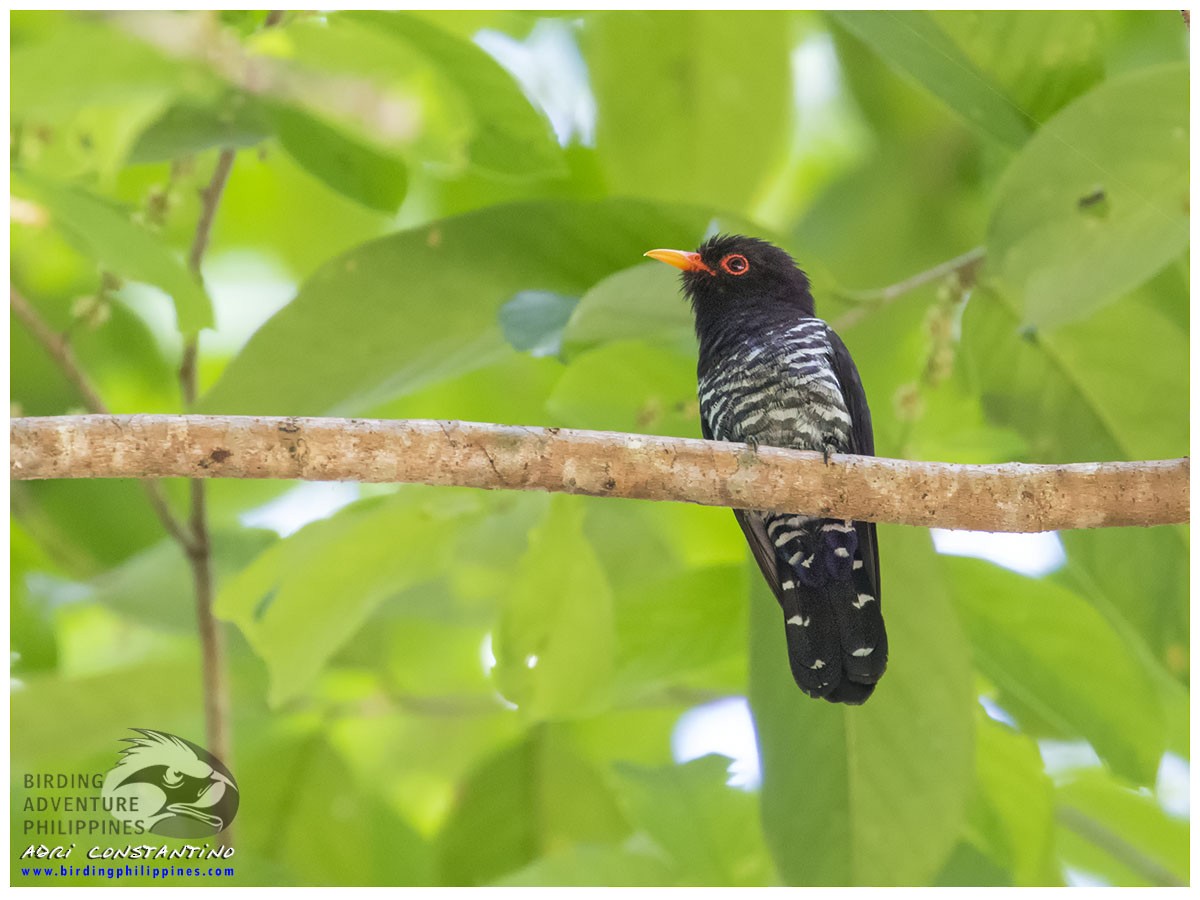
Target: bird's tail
[(837, 644), (836, 641)]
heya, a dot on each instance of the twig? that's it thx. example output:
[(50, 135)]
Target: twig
[(965, 266), (59, 349), (1012, 497), (1116, 847), (210, 199), (199, 548)]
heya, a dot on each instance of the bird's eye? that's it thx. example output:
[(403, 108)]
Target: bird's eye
[(735, 264)]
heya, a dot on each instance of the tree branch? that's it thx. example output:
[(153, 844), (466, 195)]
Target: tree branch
[(1011, 497), (59, 349), (199, 549), (965, 266)]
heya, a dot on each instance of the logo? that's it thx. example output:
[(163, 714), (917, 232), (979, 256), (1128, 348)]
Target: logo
[(169, 786)]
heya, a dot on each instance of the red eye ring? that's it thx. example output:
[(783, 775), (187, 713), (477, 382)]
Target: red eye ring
[(735, 264)]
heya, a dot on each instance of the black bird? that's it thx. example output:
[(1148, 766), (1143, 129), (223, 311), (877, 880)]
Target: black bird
[(772, 373)]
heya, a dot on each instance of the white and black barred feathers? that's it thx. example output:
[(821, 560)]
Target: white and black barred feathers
[(770, 373)]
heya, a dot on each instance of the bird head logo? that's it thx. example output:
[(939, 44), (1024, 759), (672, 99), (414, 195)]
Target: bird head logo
[(171, 787)]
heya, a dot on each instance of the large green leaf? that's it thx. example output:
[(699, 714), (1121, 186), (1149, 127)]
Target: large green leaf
[(709, 831), (510, 136), (233, 119), (374, 179), (690, 106), (594, 866), (1111, 387), (303, 598), (1109, 828), (554, 643), (526, 800), (291, 777), (1041, 59), (155, 586), (1097, 202), (1055, 655), (686, 629), (642, 302), (914, 44), (629, 386), (843, 785), (1012, 812), (417, 307), (1142, 575), (80, 64), (110, 236)]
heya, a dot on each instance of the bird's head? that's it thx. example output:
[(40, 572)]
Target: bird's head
[(731, 273)]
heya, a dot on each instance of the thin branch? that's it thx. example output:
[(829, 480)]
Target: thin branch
[(59, 349), (210, 198), (199, 550), (1012, 497), (1117, 847), (965, 267)]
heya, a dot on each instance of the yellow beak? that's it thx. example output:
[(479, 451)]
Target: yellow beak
[(680, 259)]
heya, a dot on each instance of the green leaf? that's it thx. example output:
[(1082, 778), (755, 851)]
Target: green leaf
[(533, 321), (92, 712), (691, 106), (155, 586), (510, 137), (844, 784), (709, 831), (629, 386), (294, 779), (684, 629), (1151, 595), (1012, 812), (1053, 653), (109, 236), (554, 643), (87, 64), (188, 128), (593, 866), (913, 44), (1068, 391), (1041, 59), (376, 180), (420, 306), (537, 796), (303, 598), (1088, 211), (642, 302), (1108, 828)]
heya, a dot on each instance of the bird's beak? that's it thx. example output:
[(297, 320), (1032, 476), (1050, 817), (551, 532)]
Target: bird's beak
[(689, 262)]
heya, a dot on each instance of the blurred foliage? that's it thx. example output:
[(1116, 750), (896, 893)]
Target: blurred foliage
[(457, 204)]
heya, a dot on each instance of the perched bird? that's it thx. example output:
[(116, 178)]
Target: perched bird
[(772, 373)]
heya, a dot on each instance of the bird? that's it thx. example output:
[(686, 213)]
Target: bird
[(770, 373)]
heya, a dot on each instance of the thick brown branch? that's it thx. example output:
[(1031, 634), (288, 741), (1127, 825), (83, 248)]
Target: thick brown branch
[(1010, 497)]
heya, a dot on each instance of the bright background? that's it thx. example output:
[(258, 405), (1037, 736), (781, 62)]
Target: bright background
[(443, 215)]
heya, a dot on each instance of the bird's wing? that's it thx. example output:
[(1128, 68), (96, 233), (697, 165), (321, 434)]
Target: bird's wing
[(862, 442)]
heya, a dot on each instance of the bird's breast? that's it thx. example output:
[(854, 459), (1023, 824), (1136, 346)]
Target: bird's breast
[(775, 387)]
